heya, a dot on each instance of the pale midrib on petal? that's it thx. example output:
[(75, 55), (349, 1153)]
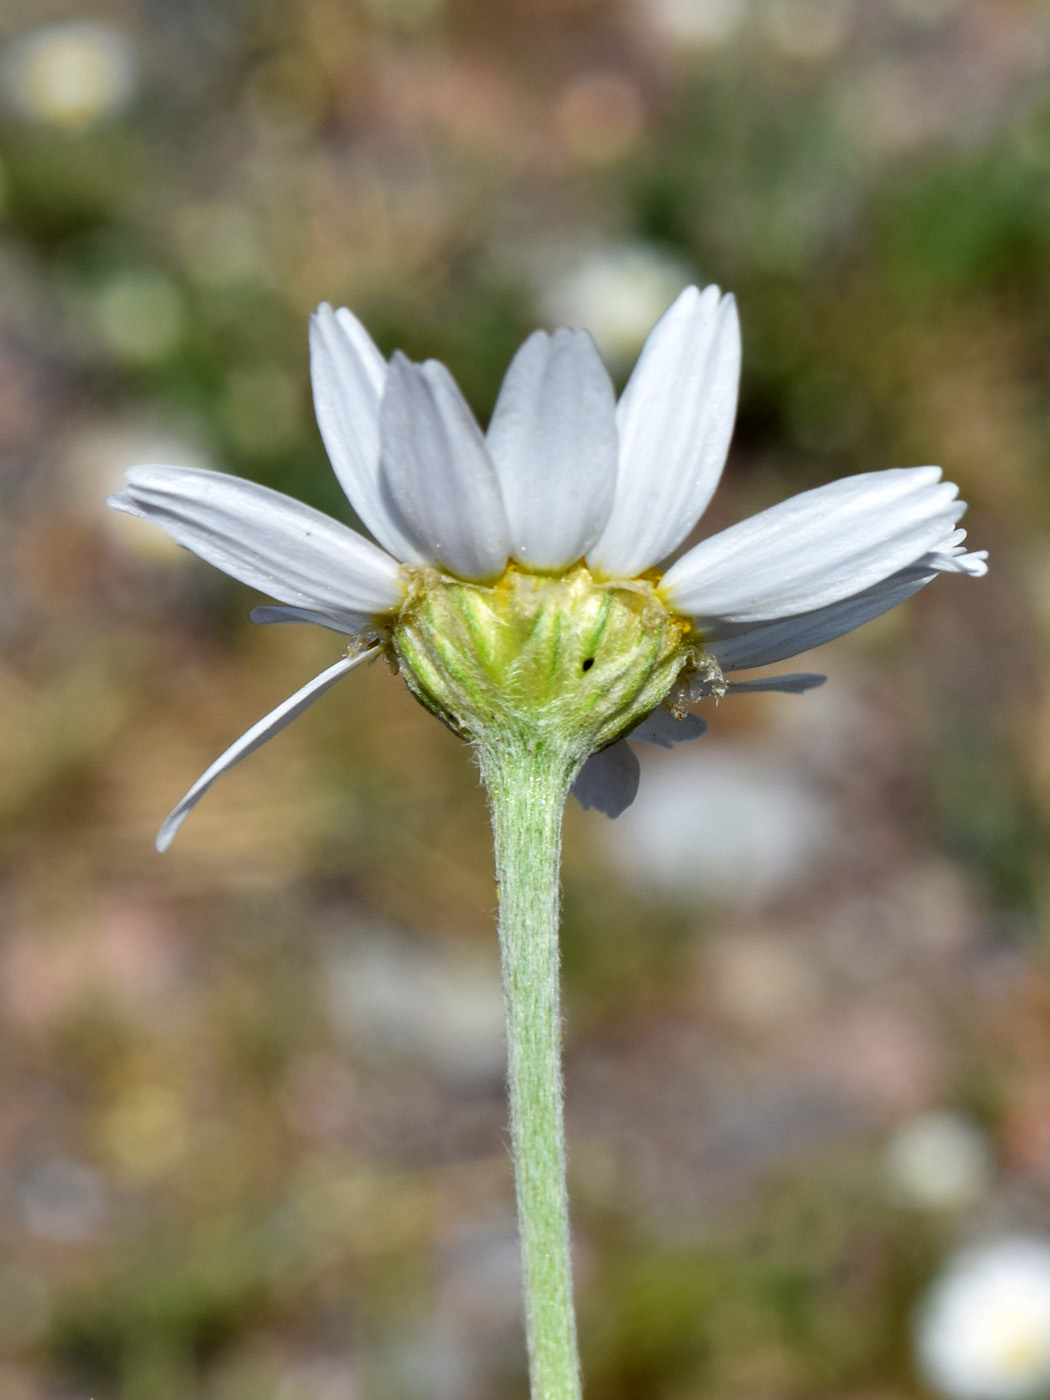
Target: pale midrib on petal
[(675, 420), (553, 443), (814, 549), (348, 375), (701, 440), (438, 471), (264, 539)]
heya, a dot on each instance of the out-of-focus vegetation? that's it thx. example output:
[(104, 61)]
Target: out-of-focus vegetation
[(251, 1113)]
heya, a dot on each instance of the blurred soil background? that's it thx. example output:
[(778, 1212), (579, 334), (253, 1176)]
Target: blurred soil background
[(252, 1126)]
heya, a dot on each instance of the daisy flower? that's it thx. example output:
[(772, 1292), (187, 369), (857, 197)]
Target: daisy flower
[(564, 478), (518, 580), (983, 1333)]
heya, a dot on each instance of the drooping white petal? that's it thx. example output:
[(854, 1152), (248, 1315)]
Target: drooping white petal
[(553, 443), (347, 625), (813, 549), (608, 781), (254, 738), (267, 540), (675, 419), (437, 469), (663, 729), (348, 375), (796, 684), (776, 641)]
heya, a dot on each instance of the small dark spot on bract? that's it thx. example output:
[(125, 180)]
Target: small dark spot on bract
[(588, 663)]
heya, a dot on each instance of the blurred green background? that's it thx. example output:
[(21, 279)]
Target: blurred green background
[(252, 1141)]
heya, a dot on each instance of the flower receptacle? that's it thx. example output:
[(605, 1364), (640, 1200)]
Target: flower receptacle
[(566, 660)]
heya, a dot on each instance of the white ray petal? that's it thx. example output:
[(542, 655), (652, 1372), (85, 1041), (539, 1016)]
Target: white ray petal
[(254, 738), (796, 684), (437, 469), (347, 625), (553, 443), (776, 641), (348, 375), (608, 781), (959, 562), (663, 729), (267, 540), (675, 419), (814, 549)]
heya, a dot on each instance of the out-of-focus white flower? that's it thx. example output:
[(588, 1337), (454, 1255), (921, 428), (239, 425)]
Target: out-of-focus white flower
[(95, 462), (983, 1332), (938, 1160), (698, 23), (72, 76), (616, 294)]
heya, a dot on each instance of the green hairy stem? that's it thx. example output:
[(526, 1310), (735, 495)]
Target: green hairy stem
[(527, 786)]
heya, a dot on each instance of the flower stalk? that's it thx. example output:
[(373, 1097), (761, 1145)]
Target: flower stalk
[(518, 581), (527, 785)]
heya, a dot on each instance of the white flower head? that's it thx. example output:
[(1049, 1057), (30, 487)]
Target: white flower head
[(550, 530), (71, 76), (983, 1332), (938, 1160), (703, 23), (616, 293)]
